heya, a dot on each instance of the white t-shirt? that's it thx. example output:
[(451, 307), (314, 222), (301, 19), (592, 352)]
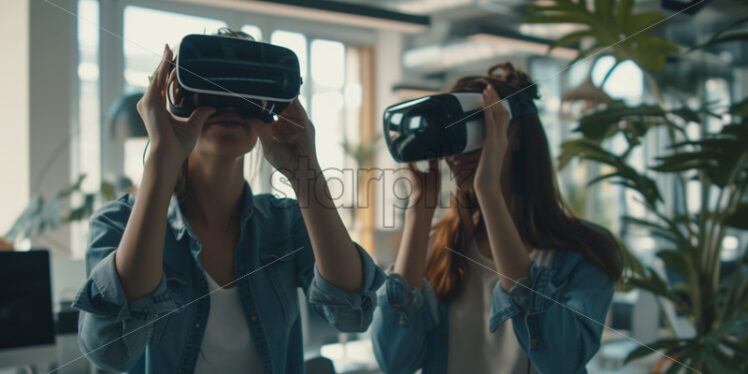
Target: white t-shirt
[(472, 346), (227, 346)]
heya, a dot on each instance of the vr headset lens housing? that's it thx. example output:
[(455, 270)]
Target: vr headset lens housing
[(258, 79), (441, 125)]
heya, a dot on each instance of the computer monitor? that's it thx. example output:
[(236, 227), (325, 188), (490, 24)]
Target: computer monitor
[(27, 333)]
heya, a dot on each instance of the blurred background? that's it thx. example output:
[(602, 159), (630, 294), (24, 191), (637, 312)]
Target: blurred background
[(643, 98)]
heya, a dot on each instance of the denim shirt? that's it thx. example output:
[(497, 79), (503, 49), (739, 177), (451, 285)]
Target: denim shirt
[(410, 327), (162, 332)]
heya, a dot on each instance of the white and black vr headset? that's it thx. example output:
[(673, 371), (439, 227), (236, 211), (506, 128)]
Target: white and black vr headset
[(257, 79), (442, 125)]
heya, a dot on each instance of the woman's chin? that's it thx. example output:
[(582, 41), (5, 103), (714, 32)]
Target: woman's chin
[(226, 147)]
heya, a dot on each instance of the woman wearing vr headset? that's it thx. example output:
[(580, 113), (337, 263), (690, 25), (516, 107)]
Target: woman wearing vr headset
[(198, 274), (514, 283)]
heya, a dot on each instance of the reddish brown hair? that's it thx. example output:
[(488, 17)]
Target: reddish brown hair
[(540, 215)]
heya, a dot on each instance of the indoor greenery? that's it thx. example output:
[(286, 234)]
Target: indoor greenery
[(710, 293), (363, 154), (48, 214)]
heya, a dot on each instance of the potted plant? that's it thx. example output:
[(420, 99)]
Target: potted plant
[(48, 214), (707, 292)]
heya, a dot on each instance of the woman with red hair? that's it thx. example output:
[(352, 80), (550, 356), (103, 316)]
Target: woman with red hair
[(514, 283)]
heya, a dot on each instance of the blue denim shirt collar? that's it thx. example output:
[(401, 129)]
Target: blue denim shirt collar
[(179, 225)]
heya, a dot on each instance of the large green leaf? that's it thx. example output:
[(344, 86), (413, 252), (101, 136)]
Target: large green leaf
[(568, 39), (604, 9), (740, 108), (587, 149), (657, 286), (670, 345), (729, 33), (605, 123), (640, 23), (687, 114), (679, 162), (624, 11), (657, 230), (677, 261), (739, 218), (650, 53), (614, 27)]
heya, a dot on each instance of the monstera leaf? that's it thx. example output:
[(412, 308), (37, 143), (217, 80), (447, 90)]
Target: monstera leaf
[(614, 28), (616, 117), (709, 292), (624, 174)]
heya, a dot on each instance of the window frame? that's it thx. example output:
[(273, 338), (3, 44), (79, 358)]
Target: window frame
[(111, 58)]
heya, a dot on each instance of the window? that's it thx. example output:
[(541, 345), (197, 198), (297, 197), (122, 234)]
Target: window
[(331, 95), (145, 32), (717, 92), (88, 76), (297, 43), (253, 31), (545, 73), (328, 75), (625, 83), (86, 145)]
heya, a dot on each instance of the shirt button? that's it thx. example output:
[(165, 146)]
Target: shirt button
[(197, 325), (253, 317), (534, 342)]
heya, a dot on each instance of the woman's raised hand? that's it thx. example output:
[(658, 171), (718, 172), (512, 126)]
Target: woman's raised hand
[(488, 173), (288, 143), (426, 187), (172, 139)]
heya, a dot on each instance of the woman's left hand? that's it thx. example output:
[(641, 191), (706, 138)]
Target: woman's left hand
[(488, 173), (288, 143)]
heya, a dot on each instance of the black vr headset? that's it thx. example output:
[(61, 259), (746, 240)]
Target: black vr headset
[(258, 79), (442, 125)]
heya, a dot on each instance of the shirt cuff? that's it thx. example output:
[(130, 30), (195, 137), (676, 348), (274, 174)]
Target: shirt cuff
[(360, 302), (102, 294), (409, 301), (529, 296)]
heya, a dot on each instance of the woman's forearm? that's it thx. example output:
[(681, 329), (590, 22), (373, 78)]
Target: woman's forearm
[(140, 253), (337, 259), (411, 257), (509, 253)]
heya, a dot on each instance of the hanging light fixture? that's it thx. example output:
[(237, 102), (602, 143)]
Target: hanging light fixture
[(124, 120)]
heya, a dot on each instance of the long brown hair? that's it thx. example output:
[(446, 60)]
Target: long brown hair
[(542, 218)]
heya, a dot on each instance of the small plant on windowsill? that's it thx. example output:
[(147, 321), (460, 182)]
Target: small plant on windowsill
[(48, 214), (711, 295), (363, 155)]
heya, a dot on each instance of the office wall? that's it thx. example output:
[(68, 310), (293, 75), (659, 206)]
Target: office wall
[(14, 106), (53, 102)]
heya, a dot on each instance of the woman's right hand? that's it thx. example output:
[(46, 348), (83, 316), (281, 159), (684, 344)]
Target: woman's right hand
[(172, 139), (426, 187)]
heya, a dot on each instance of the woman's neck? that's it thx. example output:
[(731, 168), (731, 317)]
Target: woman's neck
[(216, 187)]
